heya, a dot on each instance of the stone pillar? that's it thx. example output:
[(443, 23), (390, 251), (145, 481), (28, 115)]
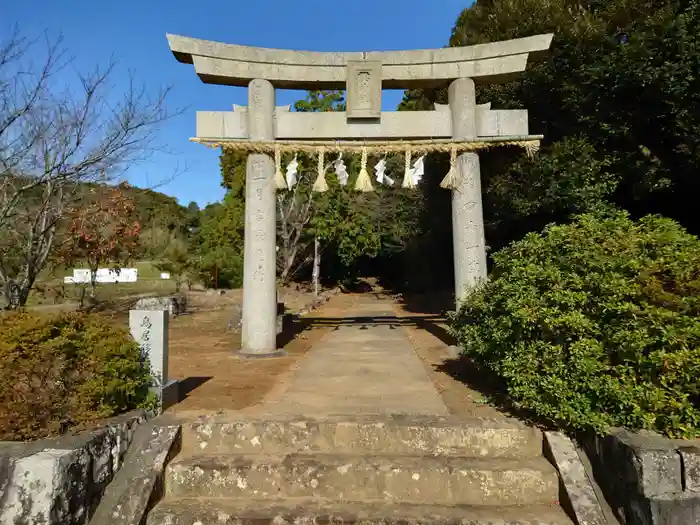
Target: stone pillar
[(259, 333), (149, 328), (467, 212)]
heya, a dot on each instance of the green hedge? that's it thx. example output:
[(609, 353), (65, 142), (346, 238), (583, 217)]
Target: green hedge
[(594, 324), (58, 372)]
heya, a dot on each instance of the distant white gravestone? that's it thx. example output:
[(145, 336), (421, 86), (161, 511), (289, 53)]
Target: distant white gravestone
[(81, 275), (121, 275), (149, 328), (106, 275)]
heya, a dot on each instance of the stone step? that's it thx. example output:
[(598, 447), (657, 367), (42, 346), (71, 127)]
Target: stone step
[(206, 511), (407, 435), (426, 479)]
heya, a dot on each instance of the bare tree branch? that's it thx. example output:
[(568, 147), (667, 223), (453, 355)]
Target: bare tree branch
[(294, 212), (53, 142)]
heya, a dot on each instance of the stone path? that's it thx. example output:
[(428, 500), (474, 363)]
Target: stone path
[(360, 369)]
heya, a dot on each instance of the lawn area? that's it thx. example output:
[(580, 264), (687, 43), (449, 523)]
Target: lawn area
[(51, 290)]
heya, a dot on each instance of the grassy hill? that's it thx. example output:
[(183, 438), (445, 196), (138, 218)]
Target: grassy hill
[(51, 288)]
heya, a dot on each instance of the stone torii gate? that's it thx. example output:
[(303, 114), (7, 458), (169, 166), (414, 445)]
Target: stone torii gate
[(363, 75)]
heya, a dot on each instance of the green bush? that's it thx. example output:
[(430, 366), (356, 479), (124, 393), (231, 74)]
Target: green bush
[(594, 324), (63, 371)]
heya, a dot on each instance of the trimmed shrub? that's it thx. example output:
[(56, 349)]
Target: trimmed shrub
[(59, 372), (594, 324)]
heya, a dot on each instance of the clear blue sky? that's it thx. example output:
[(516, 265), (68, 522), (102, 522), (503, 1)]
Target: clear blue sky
[(134, 31)]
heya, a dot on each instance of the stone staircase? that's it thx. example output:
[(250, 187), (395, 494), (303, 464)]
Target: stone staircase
[(368, 469)]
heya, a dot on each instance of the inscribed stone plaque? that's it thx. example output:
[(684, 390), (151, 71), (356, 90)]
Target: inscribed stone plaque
[(364, 88), (149, 328)]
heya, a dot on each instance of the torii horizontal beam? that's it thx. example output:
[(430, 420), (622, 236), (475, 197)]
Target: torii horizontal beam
[(335, 125), (235, 65)]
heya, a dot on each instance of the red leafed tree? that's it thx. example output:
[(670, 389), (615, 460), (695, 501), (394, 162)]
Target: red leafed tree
[(103, 233)]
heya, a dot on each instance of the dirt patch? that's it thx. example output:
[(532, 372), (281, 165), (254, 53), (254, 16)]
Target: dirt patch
[(430, 339), (202, 355), (202, 347)]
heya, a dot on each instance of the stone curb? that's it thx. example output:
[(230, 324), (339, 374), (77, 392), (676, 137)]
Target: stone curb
[(139, 484), (577, 493), (647, 478), (323, 298), (61, 480), (176, 304)]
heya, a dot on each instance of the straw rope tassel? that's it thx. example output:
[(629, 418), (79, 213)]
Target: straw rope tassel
[(280, 181), (363, 183), (408, 174), (320, 185), (532, 147), (450, 180)]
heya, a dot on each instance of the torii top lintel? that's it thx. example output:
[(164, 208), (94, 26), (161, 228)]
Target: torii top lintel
[(235, 65)]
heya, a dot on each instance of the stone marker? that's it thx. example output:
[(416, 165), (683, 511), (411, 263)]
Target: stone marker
[(149, 328), (175, 304)]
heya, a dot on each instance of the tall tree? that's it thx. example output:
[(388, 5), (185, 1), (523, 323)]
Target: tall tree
[(193, 217), (102, 233), (52, 140), (176, 260), (218, 245), (614, 100)]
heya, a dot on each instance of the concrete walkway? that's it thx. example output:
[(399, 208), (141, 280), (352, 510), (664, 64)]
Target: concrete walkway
[(360, 369)]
